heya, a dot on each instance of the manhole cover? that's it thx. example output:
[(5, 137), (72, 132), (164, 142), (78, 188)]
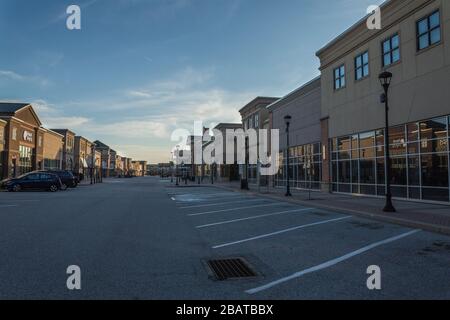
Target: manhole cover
[(225, 269)]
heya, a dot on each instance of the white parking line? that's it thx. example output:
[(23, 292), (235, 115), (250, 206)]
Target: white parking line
[(8, 205), (331, 262), (221, 203), (279, 232), (233, 209), (251, 218)]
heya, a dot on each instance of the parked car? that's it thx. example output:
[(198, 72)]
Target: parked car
[(67, 178), (33, 181)]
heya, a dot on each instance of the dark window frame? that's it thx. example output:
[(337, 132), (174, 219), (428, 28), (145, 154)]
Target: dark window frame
[(429, 30), (391, 50), (340, 78), (361, 57)]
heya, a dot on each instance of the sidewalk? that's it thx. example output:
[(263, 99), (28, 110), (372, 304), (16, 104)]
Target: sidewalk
[(426, 216)]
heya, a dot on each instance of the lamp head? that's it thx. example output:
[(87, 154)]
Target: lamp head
[(385, 79), (287, 119)]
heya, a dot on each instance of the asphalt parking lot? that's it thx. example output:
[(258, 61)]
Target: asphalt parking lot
[(144, 238), (306, 253)]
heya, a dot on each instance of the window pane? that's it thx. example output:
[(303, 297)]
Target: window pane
[(423, 26), (413, 132), (413, 171), (387, 59), (386, 46), (344, 171), (337, 84), (367, 171), (336, 74), (343, 82), (358, 62), (395, 42), (365, 58), (435, 170), (435, 36), (423, 41), (435, 194), (398, 169), (342, 70), (395, 55), (366, 139), (434, 20), (359, 74), (366, 70), (433, 129)]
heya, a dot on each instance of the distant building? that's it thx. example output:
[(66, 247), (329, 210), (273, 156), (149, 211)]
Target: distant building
[(68, 162)]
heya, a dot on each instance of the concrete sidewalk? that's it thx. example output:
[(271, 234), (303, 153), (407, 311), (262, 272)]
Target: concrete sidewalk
[(426, 216)]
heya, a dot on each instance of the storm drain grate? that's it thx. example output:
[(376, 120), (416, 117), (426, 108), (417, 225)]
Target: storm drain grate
[(225, 269)]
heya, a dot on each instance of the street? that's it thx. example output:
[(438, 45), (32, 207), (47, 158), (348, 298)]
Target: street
[(144, 238)]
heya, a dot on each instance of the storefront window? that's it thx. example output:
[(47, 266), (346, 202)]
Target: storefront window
[(25, 160), (419, 161), (305, 167)]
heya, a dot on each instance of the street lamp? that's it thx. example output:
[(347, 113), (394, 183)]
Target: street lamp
[(287, 120), (171, 168), (385, 80), (176, 165)]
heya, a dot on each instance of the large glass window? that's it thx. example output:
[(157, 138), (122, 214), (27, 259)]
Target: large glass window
[(362, 66), (391, 50), (339, 77), (428, 31), (25, 159), (419, 161), (305, 167)]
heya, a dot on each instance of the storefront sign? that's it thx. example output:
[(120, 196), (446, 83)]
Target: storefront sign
[(27, 136)]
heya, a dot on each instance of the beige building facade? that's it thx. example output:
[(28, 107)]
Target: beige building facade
[(414, 45), (53, 150)]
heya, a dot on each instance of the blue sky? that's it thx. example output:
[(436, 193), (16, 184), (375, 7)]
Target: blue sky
[(138, 69)]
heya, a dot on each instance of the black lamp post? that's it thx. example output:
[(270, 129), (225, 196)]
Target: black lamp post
[(176, 165), (92, 163), (385, 80), (287, 120)]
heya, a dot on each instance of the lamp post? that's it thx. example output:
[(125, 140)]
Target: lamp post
[(176, 165), (287, 120), (385, 80), (92, 163), (171, 168)]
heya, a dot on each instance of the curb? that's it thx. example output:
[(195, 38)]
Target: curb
[(373, 216)]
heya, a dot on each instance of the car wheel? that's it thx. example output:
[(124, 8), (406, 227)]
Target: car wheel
[(53, 188), (63, 187), (16, 188)]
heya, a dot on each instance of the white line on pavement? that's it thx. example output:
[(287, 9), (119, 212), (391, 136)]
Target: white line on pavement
[(221, 203), (331, 262), (8, 205), (253, 217), (280, 232), (233, 209)]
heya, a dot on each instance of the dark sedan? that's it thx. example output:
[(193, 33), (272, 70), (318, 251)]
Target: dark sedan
[(33, 181), (67, 178)]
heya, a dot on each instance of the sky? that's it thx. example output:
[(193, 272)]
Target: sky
[(139, 69)]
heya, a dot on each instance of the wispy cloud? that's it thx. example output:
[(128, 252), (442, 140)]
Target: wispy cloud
[(9, 75), (152, 111)]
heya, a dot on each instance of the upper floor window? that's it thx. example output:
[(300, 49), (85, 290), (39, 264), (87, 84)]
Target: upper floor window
[(14, 133), (339, 77), (256, 121), (391, 50), (362, 66), (428, 31)]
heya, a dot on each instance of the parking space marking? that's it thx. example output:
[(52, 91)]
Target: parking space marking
[(280, 232), (331, 263), (8, 205), (221, 203), (252, 218), (233, 209)]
